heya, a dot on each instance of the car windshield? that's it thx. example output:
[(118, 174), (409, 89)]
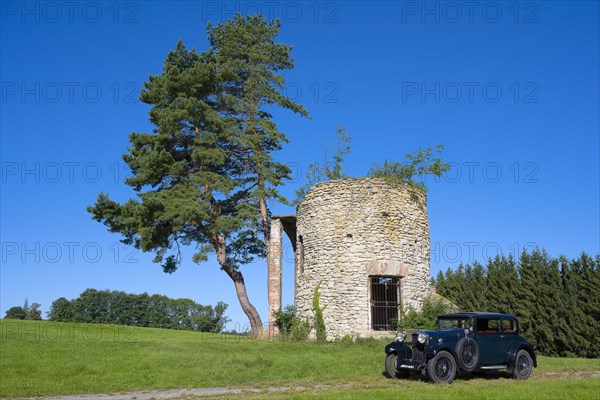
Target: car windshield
[(454, 323)]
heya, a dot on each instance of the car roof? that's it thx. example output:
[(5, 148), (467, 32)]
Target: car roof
[(480, 314)]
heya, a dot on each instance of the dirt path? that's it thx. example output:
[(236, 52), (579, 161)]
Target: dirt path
[(221, 391), (186, 393)]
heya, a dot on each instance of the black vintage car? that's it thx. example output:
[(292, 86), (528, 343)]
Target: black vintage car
[(462, 342)]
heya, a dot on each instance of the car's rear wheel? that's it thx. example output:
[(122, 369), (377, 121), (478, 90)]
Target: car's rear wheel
[(390, 367), (442, 368), (523, 366), (467, 352)]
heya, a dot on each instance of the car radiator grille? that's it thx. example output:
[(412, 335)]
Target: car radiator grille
[(418, 350)]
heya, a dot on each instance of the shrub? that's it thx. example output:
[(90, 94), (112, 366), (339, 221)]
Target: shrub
[(320, 330), (426, 318), (284, 319), (32, 312), (291, 327), (15, 313), (300, 330)]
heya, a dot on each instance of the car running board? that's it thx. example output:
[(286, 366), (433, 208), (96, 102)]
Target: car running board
[(493, 367)]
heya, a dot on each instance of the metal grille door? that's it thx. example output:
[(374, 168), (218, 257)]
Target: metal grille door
[(384, 303)]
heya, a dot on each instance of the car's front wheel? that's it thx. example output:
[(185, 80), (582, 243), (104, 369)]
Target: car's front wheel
[(442, 368), (523, 366), (390, 367)]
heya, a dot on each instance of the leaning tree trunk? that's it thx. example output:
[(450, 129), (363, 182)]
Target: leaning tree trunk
[(236, 276), (249, 309)]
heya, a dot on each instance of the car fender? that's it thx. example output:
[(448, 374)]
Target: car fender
[(401, 349), (434, 350), (512, 353), (396, 347)]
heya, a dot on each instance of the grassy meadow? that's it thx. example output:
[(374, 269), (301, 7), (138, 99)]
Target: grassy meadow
[(39, 358), (476, 389)]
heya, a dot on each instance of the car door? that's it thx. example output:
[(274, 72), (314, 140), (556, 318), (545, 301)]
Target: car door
[(487, 335), (509, 334)]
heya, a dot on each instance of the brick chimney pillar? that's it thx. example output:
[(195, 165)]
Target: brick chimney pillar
[(274, 274)]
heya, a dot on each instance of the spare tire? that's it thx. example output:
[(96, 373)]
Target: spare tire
[(467, 354)]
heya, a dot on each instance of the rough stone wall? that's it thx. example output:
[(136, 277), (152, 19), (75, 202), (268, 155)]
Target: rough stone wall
[(350, 229)]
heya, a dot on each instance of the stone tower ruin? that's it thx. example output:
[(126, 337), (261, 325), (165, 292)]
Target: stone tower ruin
[(366, 242)]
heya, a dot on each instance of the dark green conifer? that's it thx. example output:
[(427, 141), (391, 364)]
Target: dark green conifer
[(204, 174)]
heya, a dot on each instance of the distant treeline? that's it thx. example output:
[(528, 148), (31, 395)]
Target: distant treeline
[(32, 312), (557, 300), (156, 311)]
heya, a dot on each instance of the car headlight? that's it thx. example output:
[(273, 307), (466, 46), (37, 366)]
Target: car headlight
[(401, 336), (422, 338)]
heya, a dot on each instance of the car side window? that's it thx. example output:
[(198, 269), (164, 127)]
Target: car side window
[(509, 326), (488, 325), (468, 324)]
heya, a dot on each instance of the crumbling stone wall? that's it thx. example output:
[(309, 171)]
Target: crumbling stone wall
[(350, 229)]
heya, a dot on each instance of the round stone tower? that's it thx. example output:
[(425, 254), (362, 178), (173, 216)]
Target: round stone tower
[(366, 242)]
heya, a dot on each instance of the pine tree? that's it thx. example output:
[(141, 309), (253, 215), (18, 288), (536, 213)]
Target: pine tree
[(541, 287), (529, 279), (248, 61), (467, 292), (479, 287), (460, 294), (571, 313), (512, 285), (496, 288), (556, 300), (450, 286), (439, 283), (593, 277), (585, 271), (204, 175), (503, 285), (553, 326)]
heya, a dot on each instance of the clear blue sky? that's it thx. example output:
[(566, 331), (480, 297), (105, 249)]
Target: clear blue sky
[(511, 89)]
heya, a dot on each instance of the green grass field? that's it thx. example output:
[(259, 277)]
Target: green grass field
[(478, 389), (43, 358)]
